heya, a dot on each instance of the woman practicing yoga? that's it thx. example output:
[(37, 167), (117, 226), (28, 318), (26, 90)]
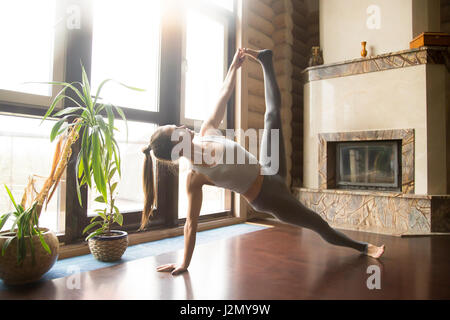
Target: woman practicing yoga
[(264, 190)]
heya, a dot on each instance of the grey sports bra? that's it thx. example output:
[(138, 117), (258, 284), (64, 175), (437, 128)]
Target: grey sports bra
[(236, 169)]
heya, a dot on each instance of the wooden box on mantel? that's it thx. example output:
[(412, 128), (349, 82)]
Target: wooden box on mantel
[(430, 39)]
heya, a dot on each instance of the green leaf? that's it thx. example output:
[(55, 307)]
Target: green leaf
[(116, 152), (65, 111), (110, 113), (113, 187), (78, 172), (100, 89), (58, 98), (44, 244), (107, 135), (85, 147), (102, 214), (111, 173), (12, 198), (6, 244), (95, 233), (4, 218), (99, 174), (90, 226), (122, 115), (56, 127), (130, 87), (86, 88), (100, 199), (119, 219), (66, 85)]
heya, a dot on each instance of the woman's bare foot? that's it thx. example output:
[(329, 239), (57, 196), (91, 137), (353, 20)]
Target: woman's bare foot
[(374, 251)]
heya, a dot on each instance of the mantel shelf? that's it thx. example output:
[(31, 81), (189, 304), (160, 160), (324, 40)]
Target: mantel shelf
[(393, 60)]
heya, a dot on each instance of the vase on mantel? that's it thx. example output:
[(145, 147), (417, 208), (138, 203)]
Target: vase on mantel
[(363, 51)]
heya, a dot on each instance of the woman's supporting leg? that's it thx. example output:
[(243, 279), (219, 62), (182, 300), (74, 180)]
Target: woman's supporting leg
[(272, 116)]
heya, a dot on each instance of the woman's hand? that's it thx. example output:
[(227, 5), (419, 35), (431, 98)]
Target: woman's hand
[(172, 267), (239, 58)]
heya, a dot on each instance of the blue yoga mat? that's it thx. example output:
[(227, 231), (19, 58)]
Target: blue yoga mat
[(69, 266)]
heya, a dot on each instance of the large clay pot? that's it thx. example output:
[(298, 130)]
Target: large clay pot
[(13, 274), (109, 247)]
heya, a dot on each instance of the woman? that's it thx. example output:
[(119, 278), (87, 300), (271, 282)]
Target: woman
[(265, 192)]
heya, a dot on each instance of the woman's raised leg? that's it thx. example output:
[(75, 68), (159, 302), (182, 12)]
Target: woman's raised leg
[(272, 116)]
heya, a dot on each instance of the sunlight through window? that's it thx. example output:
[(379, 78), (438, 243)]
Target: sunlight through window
[(27, 26), (125, 47)]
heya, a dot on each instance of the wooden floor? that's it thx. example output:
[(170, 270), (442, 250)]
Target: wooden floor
[(282, 262)]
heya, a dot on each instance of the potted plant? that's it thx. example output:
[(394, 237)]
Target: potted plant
[(27, 250), (98, 163)]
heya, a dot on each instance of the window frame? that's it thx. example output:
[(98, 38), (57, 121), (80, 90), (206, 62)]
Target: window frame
[(31, 100), (78, 47)]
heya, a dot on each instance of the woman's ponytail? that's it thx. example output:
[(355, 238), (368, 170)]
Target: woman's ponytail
[(149, 189)]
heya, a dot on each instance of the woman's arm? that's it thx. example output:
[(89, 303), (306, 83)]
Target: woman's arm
[(213, 121), (194, 185)]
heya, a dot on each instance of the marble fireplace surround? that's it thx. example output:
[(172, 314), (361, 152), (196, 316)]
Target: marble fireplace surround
[(410, 211), (327, 156)]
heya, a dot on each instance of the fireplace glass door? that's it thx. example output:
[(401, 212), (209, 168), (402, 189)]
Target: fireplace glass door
[(368, 165)]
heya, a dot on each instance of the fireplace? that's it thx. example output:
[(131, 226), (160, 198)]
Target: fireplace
[(370, 165), (376, 150), (368, 160)]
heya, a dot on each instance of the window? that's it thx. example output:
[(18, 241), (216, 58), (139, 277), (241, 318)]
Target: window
[(26, 151), (125, 46), (137, 42), (205, 64), (33, 37)]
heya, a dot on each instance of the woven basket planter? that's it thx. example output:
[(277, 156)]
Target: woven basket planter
[(109, 248), (13, 274)]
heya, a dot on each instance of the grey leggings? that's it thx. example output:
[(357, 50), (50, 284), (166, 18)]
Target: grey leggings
[(275, 197)]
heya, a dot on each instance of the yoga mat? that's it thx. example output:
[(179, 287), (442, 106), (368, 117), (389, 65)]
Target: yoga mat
[(69, 266)]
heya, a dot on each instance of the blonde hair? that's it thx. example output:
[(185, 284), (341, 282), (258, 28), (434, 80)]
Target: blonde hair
[(161, 147)]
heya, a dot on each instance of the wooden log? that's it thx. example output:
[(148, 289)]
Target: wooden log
[(266, 2), (297, 140), (254, 70), (255, 120), (299, 60), (299, 33), (297, 72), (299, 6), (297, 127), (282, 36), (283, 68), (256, 104), (259, 39), (260, 24), (283, 20), (300, 19), (301, 46), (282, 51), (280, 6), (285, 83), (286, 99), (297, 113), (261, 8), (255, 87)]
